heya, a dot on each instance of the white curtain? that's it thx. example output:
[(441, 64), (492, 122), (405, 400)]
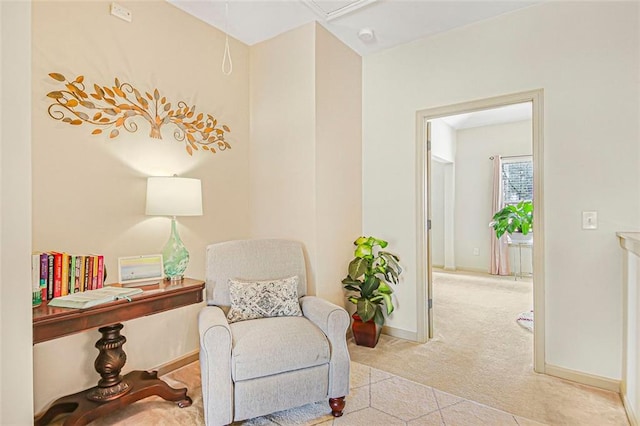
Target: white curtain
[(499, 247)]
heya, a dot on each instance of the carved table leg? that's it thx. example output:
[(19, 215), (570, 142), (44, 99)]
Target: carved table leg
[(109, 363), (113, 391), (337, 405)]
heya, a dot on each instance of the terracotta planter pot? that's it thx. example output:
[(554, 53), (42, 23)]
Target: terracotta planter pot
[(365, 333)]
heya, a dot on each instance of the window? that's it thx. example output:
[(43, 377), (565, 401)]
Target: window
[(517, 179)]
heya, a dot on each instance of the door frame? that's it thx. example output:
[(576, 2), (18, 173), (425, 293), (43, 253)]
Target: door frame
[(423, 171)]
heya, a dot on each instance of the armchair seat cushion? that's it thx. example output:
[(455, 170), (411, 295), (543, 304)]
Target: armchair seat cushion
[(260, 348)]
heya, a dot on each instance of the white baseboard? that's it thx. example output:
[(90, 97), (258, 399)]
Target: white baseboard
[(177, 363), (583, 378), (633, 420), (402, 334)]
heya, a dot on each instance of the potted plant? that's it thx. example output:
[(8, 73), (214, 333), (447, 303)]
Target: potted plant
[(513, 219), (370, 273)]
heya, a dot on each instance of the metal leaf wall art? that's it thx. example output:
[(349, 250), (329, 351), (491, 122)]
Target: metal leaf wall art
[(115, 107)]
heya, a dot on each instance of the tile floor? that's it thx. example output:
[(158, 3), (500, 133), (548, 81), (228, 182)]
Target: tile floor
[(413, 404), (379, 398)]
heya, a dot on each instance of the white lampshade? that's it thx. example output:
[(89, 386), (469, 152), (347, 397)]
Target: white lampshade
[(174, 196)]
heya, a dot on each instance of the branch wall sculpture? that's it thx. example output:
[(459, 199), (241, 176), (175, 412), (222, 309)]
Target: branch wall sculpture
[(115, 106)]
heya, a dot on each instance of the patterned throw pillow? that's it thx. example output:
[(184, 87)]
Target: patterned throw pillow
[(260, 299)]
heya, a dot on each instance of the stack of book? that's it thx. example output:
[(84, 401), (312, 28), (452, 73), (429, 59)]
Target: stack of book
[(59, 274)]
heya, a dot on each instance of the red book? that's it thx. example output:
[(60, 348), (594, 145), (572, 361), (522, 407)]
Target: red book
[(100, 271), (57, 274)]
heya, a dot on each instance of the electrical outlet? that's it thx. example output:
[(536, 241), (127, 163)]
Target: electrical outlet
[(121, 12), (476, 251)]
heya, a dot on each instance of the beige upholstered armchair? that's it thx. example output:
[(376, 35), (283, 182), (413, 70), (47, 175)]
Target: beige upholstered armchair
[(253, 367)]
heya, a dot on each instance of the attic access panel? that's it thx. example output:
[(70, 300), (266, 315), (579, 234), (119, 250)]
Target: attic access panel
[(331, 9)]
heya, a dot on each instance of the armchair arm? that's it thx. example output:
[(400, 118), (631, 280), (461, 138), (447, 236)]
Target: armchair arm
[(215, 366), (333, 320)]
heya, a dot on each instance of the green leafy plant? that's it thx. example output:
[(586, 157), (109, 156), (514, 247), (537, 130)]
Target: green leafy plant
[(370, 273), (513, 218)]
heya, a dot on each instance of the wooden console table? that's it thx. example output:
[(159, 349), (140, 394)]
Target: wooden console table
[(113, 391)]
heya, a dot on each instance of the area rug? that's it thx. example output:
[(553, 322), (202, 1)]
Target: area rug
[(525, 320)]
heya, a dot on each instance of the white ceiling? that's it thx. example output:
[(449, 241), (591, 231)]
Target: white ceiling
[(393, 21)]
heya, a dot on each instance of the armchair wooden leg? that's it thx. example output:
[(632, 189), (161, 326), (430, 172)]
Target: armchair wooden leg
[(337, 405)]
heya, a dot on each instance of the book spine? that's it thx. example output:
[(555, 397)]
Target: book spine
[(90, 274), (57, 274), (50, 275), (64, 275), (94, 276), (35, 272), (78, 269), (100, 271), (44, 274), (87, 268), (72, 273)]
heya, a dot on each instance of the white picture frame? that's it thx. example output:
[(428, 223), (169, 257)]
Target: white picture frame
[(140, 270)]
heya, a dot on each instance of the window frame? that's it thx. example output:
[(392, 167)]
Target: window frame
[(514, 159)]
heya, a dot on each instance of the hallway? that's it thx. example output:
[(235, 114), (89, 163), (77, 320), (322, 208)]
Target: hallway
[(480, 353)]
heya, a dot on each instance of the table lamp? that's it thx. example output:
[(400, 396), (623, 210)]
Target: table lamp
[(174, 196)]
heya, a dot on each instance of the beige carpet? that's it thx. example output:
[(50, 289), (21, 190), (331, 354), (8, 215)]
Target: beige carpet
[(480, 353)]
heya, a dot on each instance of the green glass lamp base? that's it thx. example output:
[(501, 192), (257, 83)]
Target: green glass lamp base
[(174, 255)]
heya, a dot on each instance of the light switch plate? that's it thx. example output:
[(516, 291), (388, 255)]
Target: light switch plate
[(589, 220)]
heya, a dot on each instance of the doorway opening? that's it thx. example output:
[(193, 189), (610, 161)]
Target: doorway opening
[(453, 228)]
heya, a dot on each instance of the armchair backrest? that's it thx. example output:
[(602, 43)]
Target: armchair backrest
[(252, 260)]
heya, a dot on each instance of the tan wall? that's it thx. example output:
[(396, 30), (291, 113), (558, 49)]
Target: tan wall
[(283, 140), (16, 384), (306, 149), (338, 161), (89, 191)]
